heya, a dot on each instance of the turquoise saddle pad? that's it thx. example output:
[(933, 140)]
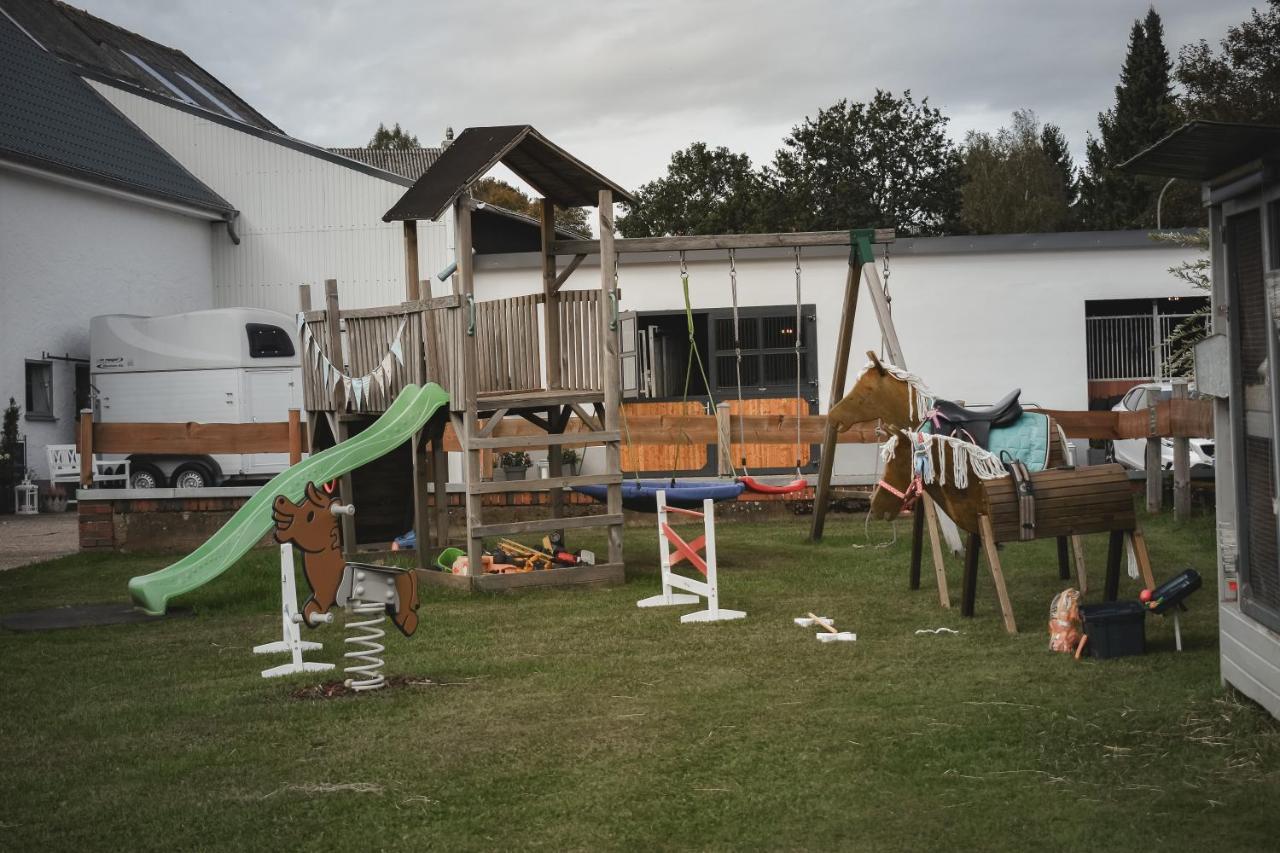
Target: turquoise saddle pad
[(1026, 440)]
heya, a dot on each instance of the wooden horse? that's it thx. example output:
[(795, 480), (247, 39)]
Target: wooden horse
[(979, 496), (312, 528)]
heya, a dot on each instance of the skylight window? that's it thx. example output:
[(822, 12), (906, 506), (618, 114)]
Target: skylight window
[(214, 99), (164, 81)]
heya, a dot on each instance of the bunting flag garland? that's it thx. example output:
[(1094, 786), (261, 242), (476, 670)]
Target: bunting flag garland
[(357, 389)]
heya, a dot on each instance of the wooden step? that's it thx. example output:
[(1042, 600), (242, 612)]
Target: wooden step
[(543, 484), (545, 525), (504, 442)]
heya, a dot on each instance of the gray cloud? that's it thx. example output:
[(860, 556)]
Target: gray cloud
[(624, 84)]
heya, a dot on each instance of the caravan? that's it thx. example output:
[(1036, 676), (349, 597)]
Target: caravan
[(226, 365)]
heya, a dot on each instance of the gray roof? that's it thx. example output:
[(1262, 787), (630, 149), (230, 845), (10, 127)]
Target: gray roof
[(407, 162), (555, 173), (51, 119), (103, 49), (1201, 150)]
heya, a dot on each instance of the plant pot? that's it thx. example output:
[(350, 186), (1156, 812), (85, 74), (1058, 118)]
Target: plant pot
[(571, 469), (514, 472), (53, 504)]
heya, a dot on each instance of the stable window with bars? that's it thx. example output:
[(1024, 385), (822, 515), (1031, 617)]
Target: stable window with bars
[(767, 337)]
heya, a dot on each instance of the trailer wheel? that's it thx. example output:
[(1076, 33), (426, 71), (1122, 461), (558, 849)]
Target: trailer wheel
[(191, 476), (143, 475)]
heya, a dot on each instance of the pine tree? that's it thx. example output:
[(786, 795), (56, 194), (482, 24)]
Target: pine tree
[(1054, 144), (1143, 114)]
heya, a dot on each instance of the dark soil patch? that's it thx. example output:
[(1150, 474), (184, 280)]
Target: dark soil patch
[(338, 690)]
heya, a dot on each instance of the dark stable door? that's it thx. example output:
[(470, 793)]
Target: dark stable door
[(1255, 455)]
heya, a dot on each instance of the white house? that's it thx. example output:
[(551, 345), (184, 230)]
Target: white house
[(95, 218), (977, 316)]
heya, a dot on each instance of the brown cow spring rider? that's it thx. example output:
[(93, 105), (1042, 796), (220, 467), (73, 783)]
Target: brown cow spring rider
[(312, 527)]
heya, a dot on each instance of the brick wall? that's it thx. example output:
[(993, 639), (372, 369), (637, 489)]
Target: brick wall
[(163, 524)]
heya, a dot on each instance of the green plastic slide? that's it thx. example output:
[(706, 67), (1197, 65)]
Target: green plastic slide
[(411, 410)]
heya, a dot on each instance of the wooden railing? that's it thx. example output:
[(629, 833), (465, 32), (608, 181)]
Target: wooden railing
[(187, 439), (508, 337)]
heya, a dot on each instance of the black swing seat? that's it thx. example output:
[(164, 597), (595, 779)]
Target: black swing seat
[(978, 422)]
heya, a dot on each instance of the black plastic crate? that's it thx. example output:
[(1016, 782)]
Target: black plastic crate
[(1173, 591), (1115, 628)]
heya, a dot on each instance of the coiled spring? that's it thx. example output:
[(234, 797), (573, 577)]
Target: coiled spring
[(365, 671)]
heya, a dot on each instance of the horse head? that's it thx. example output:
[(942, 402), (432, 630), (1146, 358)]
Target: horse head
[(309, 525), (887, 501), (878, 394)]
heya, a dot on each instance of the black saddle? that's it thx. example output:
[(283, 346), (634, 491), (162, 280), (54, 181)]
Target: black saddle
[(976, 424)]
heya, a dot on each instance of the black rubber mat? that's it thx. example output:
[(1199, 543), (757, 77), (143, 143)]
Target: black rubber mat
[(82, 616)]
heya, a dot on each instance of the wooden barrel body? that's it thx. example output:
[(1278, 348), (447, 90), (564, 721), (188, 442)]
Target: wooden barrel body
[(1068, 502)]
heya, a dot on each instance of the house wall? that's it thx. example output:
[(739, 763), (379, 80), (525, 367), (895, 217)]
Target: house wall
[(67, 255), (973, 323), (303, 219)]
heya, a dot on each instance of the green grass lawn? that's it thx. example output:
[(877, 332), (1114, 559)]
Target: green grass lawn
[(573, 720)]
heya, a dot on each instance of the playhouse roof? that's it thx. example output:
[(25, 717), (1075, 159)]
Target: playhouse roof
[(1201, 150), (549, 169)]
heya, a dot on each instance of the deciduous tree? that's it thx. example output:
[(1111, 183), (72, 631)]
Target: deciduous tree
[(394, 139), (705, 191), (1012, 185), (1242, 81), (887, 162)]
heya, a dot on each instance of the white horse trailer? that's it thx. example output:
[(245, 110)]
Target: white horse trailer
[(226, 365)]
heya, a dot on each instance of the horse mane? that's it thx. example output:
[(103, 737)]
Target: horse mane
[(965, 457), (919, 400)]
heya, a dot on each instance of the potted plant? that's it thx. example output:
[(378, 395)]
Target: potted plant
[(54, 499), (11, 461), (514, 464), (570, 462)]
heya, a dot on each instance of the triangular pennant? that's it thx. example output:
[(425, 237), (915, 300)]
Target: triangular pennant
[(315, 352), (358, 385), (302, 320), (396, 351), (324, 371), (335, 375), (346, 388), (381, 373), (388, 365)]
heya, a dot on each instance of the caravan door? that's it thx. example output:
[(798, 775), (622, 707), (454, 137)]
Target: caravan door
[(269, 395)]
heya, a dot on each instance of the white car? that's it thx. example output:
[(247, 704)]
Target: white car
[(1132, 452)]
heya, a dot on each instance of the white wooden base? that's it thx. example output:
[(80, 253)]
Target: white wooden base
[(719, 615), (292, 642), (668, 599)]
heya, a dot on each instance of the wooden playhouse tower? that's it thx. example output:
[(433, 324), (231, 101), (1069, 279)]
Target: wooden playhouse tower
[(546, 358)]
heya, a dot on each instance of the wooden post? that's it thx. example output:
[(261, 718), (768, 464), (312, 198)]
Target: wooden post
[(295, 437), (422, 529), (997, 573), (440, 486), (1077, 550), (724, 442), (969, 592), (1154, 462), (333, 343), (470, 421), (304, 297), (917, 545), (1115, 553), (609, 368), (1064, 559), (556, 416), (1181, 463), (844, 340), (411, 286), (86, 448), (935, 544), (551, 294)]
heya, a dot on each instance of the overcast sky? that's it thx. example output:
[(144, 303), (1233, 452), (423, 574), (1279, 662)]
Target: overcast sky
[(624, 84)]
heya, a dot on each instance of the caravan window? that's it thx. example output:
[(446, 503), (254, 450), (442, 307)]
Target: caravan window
[(39, 390), (268, 341)]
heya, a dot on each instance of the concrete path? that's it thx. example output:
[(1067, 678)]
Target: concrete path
[(34, 538)]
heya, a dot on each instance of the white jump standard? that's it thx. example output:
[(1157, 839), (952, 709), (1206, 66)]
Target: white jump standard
[(708, 589)]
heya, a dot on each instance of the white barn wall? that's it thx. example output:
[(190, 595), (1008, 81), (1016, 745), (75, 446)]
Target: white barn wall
[(973, 324), (303, 218), (67, 255)]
